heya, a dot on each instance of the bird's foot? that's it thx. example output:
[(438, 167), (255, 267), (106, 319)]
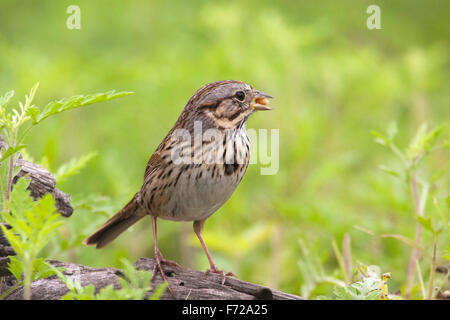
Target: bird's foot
[(214, 269), (159, 260), (165, 261)]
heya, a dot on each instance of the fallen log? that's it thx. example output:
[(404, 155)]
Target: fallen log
[(186, 284)]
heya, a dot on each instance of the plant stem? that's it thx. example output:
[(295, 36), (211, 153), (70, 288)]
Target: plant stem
[(341, 263), (419, 275), (347, 253), (12, 144), (27, 280), (432, 268), (10, 177), (2, 190), (275, 258), (419, 205)]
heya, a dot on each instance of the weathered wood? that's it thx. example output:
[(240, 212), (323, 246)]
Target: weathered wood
[(41, 182), (195, 285), (4, 266), (52, 288), (186, 284), (5, 251)]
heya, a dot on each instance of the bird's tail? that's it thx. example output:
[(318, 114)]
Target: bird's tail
[(117, 224)]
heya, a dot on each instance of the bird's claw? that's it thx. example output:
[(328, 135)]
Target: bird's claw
[(214, 269), (159, 260), (165, 261)]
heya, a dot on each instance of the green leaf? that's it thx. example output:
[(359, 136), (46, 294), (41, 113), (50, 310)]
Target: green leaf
[(15, 267), (426, 223), (33, 225), (134, 285), (379, 138), (373, 272), (33, 112), (73, 102), (430, 139), (446, 255), (33, 92), (159, 291), (390, 171), (392, 130), (423, 141), (374, 295), (415, 147), (13, 239), (10, 151), (108, 293), (5, 99), (73, 167), (20, 200)]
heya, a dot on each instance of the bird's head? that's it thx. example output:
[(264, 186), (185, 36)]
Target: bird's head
[(226, 104)]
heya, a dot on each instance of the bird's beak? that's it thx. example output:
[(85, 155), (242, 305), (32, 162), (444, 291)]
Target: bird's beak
[(259, 101)]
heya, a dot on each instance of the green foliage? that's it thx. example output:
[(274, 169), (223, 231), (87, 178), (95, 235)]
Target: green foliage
[(313, 272), (14, 128), (73, 102), (72, 167), (134, 285), (33, 226), (368, 287), (366, 283), (420, 146), (446, 255), (11, 151)]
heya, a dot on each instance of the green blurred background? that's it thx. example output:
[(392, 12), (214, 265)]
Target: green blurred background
[(333, 80)]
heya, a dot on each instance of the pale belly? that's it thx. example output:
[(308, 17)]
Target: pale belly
[(199, 193)]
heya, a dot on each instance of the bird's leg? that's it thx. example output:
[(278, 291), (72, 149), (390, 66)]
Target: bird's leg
[(156, 250), (198, 226), (159, 259)]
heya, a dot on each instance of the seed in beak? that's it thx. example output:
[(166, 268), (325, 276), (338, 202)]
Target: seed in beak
[(262, 101)]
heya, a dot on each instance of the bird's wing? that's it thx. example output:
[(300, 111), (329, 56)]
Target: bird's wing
[(153, 164)]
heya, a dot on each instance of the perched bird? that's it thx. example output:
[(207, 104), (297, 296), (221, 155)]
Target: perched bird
[(196, 167)]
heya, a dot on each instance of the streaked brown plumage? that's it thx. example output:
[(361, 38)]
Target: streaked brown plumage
[(189, 176)]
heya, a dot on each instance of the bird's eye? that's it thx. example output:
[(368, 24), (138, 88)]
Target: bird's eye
[(240, 95)]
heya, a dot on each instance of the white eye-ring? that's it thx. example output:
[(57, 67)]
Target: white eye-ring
[(240, 95)]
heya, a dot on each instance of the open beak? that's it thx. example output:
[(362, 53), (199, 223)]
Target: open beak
[(260, 101)]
